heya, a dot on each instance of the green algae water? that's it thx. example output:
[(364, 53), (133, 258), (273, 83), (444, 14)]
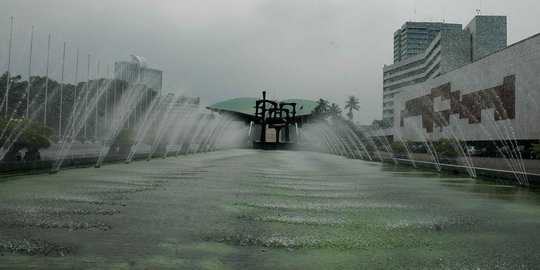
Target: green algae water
[(246, 209)]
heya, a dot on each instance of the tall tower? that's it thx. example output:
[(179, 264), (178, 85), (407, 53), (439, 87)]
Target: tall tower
[(488, 35), (137, 72), (414, 37)]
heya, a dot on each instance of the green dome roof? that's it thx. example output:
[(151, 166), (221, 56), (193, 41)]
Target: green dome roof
[(246, 106), (303, 106)]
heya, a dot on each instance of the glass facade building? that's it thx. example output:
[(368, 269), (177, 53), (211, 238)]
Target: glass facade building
[(137, 71)]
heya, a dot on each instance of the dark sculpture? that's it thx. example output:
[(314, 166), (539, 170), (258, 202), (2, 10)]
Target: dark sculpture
[(275, 115)]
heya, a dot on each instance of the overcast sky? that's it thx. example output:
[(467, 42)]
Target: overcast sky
[(217, 49)]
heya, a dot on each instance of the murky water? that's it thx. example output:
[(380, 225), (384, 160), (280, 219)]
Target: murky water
[(247, 209)]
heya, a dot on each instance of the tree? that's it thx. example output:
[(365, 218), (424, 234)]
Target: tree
[(380, 124), (17, 91), (334, 111), (322, 109), (352, 105), (536, 150), (123, 142), (398, 147), (444, 148), (110, 99), (24, 133)]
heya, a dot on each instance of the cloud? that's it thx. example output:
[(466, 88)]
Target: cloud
[(218, 49)]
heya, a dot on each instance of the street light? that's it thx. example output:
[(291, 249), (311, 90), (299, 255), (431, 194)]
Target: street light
[(47, 81), (62, 92), (29, 72), (97, 103), (9, 64), (74, 119), (86, 97)]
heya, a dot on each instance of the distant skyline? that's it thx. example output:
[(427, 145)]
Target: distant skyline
[(217, 50)]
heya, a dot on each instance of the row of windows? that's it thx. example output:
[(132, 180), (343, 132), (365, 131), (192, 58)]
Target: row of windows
[(414, 72), (421, 36), (415, 81), (388, 104), (412, 64)]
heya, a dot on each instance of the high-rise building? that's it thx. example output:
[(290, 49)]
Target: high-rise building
[(414, 37), (486, 103), (488, 35), (181, 103), (137, 71), (448, 47)]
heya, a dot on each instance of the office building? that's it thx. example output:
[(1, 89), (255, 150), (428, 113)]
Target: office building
[(450, 48), (137, 72), (414, 37), (494, 98), (180, 103)]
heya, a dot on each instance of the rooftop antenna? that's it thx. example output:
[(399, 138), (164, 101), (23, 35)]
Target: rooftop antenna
[(414, 12), (479, 9)]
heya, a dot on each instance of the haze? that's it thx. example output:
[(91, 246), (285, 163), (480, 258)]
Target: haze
[(219, 50)]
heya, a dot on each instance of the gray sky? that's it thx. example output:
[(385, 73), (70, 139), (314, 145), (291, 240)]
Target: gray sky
[(219, 49)]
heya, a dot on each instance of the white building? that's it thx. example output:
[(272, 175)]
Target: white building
[(415, 37), (494, 98), (450, 48), (180, 103), (137, 71)]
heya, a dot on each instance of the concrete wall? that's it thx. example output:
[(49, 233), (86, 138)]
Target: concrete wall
[(455, 51), (488, 34), (465, 98)]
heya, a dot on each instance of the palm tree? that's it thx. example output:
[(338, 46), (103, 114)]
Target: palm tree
[(352, 105), (322, 108), (334, 111)]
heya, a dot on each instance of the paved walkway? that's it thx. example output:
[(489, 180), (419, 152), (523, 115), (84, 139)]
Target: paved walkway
[(530, 165)]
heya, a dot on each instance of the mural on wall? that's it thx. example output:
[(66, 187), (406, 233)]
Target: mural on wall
[(501, 98)]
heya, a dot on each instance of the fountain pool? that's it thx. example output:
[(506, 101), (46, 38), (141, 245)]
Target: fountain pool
[(249, 209)]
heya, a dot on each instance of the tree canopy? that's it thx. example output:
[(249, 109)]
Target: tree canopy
[(334, 111), (19, 133), (322, 109), (380, 124), (351, 104)]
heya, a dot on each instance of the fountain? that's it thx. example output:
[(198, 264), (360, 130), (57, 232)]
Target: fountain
[(152, 188)]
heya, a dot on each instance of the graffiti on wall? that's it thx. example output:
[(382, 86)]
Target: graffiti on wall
[(500, 98)]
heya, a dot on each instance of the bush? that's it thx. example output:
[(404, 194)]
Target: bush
[(536, 150), (369, 146), (398, 147), (123, 141), (81, 138), (24, 133), (444, 148)]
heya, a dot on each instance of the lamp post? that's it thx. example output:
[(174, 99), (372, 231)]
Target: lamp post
[(29, 72), (9, 64), (62, 92), (114, 97), (107, 98), (74, 116), (75, 88), (86, 97), (47, 82), (97, 103)]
